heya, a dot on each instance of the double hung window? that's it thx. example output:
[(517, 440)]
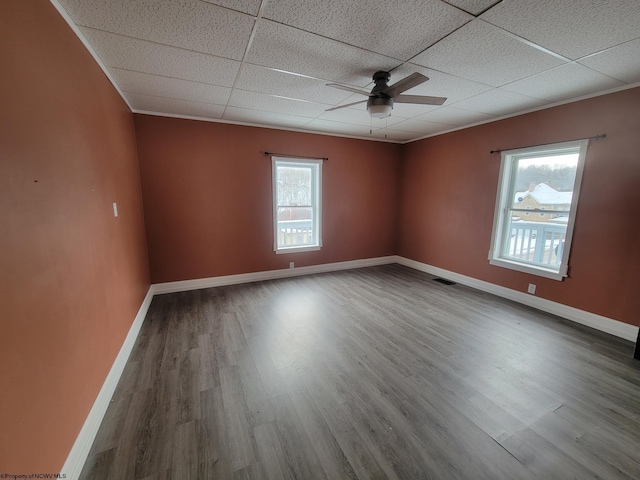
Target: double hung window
[(535, 208), (297, 204)]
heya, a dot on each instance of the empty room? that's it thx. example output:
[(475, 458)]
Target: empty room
[(296, 239)]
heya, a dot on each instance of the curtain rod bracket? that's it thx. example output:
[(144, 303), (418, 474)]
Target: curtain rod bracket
[(597, 137), (295, 156)]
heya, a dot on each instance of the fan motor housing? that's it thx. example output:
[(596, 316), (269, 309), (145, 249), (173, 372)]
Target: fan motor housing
[(380, 79)]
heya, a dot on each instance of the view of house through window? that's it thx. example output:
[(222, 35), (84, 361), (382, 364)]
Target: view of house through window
[(296, 187), (535, 207)]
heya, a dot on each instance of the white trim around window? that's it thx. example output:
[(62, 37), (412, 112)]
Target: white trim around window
[(297, 204), (537, 248)]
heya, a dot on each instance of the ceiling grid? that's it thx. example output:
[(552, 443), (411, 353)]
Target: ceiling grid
[(268, 62)]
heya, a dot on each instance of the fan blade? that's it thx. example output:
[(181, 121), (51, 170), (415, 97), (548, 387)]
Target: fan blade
[(349, 89), (405, 84), (345, 106), (420, 99)]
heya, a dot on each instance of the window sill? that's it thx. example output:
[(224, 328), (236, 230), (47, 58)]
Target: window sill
[(304, 248), (525, 268)]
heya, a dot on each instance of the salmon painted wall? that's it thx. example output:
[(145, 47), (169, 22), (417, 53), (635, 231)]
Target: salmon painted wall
[(207, 197), (72, 277), (449, 187)]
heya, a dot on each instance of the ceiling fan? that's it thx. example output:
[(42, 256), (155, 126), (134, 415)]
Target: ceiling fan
[(381, 98)]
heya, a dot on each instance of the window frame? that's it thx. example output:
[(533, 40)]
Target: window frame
[(505, 194), (315, 166)]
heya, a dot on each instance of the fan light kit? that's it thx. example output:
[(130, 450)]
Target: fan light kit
[(381, 98), (379, 107)]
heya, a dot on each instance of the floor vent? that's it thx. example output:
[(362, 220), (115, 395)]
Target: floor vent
[(444, 281)]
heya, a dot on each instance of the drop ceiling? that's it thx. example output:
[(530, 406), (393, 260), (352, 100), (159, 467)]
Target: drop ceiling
[(267, 62)]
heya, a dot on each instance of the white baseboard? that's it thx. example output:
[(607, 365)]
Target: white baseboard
[(604, 324), (80, 450), (185, 285)]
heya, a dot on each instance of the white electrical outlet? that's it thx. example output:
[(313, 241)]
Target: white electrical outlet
[(532, 288), (115, 209), (291, 265)]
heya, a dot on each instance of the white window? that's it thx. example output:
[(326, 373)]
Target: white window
[(297, 205), (537, 179)]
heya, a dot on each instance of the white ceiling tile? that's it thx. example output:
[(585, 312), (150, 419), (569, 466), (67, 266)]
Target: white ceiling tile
[(149, 57), (395, 135), (338, 127), (620, 62), (246, 6), (440, 84), (563, 82), (410, 110), (172, 106), (388, 121), (569, 27), (421, 127), (136, 82), (499, 102), (355, 115), (286, 48), (397, 29), (474, 7), (352, 98), (482, 53), (265, 80), (455, 116), (190, 24), (268, 103), (269, 118)]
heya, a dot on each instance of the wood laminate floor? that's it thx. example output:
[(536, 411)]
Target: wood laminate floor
[(370, 374)]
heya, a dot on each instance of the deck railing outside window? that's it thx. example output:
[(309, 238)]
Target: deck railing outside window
[(540, 243), (295, 232)]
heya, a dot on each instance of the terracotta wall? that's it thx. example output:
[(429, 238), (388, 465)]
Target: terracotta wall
[(449, 187), (207, 197), (72, 277)]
